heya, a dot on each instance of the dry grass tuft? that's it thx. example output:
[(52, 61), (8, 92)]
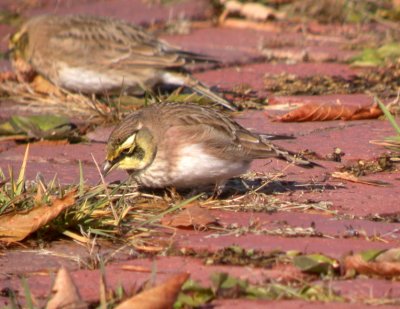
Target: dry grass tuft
[(61, 103)]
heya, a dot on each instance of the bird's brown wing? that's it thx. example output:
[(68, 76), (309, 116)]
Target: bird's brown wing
[(220, 135), (216, 132), (107, 42)]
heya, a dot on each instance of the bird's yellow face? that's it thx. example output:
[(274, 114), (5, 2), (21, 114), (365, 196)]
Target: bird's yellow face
[(135, 153), (18, 44)]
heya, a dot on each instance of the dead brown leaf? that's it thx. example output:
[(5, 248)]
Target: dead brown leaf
[(372, 112), (350, 177), (140, 269), (66, 295), (160, 297), (325, 112), (42, 85), (384, 269), (16, 226), (194, 216)]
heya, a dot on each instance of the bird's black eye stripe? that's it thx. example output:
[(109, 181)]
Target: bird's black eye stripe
[(137, 152)]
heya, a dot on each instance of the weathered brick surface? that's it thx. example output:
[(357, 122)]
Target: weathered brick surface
[(242, 45), (253, 75), (243, 53), (330, 247), (132, 10), (119, 274)]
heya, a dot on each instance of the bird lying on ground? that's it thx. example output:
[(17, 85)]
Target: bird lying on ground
[(89, 54)]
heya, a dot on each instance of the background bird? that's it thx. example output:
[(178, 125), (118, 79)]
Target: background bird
[(90, 54), (186, 146)]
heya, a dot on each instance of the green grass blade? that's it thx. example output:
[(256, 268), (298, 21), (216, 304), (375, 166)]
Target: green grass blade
[(28, 294), (388, 115)]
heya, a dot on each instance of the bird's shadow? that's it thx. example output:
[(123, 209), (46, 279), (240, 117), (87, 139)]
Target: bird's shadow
[(238, 186)]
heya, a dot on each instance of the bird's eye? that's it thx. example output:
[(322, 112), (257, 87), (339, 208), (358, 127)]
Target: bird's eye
[(126, 151)]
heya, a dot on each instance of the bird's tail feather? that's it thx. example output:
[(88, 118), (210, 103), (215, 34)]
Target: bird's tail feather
[(196, 57), (272, 137), (198, 87)]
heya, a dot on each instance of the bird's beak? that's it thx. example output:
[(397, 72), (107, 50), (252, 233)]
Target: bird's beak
[(107, 167)]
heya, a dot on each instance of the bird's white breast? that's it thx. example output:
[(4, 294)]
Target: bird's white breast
[(194, 167), (79, 79)]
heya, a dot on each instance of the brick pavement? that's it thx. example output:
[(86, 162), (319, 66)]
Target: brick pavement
[(244, 62)]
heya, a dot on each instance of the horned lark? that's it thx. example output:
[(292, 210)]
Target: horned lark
[(90, 54), (186, 146)]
